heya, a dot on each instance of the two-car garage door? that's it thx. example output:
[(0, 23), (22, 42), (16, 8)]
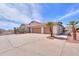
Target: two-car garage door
[(36, 30)]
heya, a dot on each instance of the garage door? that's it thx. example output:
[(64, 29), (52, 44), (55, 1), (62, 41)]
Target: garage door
[(36, 30), (46, 30)]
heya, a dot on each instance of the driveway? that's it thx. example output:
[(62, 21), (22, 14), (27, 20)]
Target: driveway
[(31, 44)]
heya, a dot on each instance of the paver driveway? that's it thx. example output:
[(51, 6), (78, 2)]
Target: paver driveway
[(35, 45)]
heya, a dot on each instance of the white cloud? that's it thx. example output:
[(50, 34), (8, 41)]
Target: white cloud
[(12, 14), (68, 15), (17, 15), (36, 10), (2, 24), (20, 12), (8, 25)]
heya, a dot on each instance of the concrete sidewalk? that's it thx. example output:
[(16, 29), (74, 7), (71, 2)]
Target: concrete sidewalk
[(36, 45)]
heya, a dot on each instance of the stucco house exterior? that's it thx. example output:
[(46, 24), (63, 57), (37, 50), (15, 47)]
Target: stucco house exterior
[(37, 27)]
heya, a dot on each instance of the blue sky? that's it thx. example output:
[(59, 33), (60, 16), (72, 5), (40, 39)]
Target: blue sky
[(12, 15)]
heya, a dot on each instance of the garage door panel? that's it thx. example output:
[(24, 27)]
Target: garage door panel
[(36, 30)]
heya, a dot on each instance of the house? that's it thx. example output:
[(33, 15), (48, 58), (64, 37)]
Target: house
[(22, 29), (37, 27)]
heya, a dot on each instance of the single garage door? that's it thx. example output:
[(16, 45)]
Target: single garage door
[(36, 30), (46, 30)]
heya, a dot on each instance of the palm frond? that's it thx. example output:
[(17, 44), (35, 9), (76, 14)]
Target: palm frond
[(73, 22)]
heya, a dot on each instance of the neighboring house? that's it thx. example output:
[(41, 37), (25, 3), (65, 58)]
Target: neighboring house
[(37, 27), (22, 29)]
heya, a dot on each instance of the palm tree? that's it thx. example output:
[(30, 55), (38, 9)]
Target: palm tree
[(50, 25), (73, 27)]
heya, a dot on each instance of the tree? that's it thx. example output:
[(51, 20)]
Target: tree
[(73, 27), (50, 25), (15, 30), (59, 23)]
